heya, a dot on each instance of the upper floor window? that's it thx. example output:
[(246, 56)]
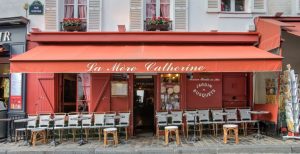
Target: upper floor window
[(157, 8), (75, 9), (233, 5)]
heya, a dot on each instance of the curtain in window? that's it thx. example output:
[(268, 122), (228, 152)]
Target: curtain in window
[(165, 8), (85, 81), (69, 9), (150, 8), (82, 9)]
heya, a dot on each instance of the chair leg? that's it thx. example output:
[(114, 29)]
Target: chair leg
[(74, 134), (105, 138), (116, 137), (177, 137), (126, 133), (166, 137), (99, 132), (187, 131), (86, 130), (225, 135)]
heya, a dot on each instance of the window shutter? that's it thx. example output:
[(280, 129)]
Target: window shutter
[(136, 15), (213, 6), (181, 15), (94, 15), (259, 6), (298, 6), (51, 20)]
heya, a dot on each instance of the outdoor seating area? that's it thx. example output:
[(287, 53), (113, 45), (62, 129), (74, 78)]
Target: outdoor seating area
[(195, 122), (82, 126)]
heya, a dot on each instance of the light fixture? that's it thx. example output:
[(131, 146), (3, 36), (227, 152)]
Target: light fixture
[(169, 74), (177, 75)]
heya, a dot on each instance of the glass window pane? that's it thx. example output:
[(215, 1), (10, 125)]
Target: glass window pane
[(69, 2), (82, 2), (69, 9), (170, 92), (225, 5), (239, 5), (4, 68)]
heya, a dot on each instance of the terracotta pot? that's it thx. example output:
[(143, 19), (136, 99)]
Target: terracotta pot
[(151, 27), (72, 28)]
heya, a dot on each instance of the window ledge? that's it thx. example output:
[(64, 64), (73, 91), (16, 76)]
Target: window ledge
[(235, 15)]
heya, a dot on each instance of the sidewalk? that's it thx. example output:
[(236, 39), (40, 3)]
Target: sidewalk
[(147, 145)]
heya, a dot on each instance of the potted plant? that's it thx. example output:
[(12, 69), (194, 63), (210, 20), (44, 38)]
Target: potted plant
[(151, 24), (72, 24), (163, 23)]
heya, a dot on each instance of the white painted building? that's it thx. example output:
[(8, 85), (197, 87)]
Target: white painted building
[(186, 15)]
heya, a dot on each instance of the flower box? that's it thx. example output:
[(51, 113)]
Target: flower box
[(72, 28), (163, 27), (151, 27), (71, 24)]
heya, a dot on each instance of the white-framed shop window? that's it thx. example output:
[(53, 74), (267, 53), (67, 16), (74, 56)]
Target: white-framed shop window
[(75, 9)]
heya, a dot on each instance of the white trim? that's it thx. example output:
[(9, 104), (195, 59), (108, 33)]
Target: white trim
[(57, 17)]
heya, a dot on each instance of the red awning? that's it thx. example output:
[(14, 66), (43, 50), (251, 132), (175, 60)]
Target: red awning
[(144, 59)]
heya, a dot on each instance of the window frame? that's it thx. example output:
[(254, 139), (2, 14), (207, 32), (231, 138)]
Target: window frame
[(233, 9), (157, 12)]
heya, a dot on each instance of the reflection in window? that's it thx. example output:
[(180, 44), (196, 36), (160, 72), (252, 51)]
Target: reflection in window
[(233, 5), (170, 92), (162, 11)]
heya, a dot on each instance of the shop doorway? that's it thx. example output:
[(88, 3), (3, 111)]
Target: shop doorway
[(143, 107), (69, 82)]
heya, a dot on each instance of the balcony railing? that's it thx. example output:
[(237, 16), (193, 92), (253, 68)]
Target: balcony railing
[(158, 27), (83, 27)]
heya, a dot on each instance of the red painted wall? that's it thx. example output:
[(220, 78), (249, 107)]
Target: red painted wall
[(204, 91), (235, 92), (100, 93), (41, 94)]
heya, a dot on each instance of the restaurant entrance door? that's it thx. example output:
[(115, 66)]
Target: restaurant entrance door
[(143, 109)]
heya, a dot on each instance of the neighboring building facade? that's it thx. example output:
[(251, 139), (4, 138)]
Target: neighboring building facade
[(187, 15), (13, 33)]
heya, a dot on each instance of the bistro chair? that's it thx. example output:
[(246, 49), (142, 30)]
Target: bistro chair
[(190, 120), (231, 116), (99, 123), (204, 119), (177, 120), (59, 124), (162, 121), (109, 119), (73, 123), (217, 119), (87, 123), (30, 124), (124, 122), (44, 121), (246, 119)]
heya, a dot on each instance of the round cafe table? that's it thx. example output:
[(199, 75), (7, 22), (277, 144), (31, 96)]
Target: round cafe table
[(259, 113)]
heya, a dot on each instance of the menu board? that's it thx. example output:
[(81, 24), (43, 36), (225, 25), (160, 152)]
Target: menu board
[(119, 88)]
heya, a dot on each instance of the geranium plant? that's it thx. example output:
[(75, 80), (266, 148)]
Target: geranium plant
[(162, 20)]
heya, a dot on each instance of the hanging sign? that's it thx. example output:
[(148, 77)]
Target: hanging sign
[(36, 8)]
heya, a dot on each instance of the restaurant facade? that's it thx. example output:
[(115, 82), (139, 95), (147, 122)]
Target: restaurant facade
[(141, 72)]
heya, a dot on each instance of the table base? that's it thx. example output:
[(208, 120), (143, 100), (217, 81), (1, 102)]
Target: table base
[(54, 143), (82, 142)]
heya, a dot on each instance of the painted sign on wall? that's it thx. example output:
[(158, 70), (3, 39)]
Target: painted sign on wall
[(204, 91)]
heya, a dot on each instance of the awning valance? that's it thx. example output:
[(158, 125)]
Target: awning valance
[(144, 59)]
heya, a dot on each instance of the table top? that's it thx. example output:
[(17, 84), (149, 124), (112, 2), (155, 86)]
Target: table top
[(25, 120), (53, 119), (259, 112), (6, 119)]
